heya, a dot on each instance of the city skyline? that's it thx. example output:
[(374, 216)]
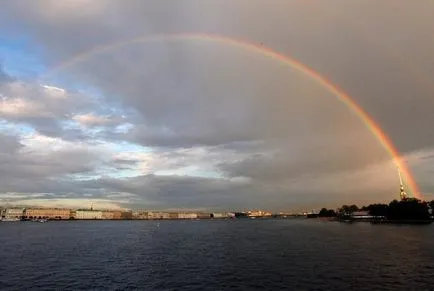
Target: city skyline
[(129, 105)]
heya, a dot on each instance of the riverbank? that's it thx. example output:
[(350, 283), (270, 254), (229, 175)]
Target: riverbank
[(386, 221)]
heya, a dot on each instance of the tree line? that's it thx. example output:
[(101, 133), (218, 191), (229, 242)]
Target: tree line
[(396, 210)]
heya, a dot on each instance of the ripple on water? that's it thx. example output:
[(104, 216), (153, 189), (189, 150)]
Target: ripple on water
[(215, 255)]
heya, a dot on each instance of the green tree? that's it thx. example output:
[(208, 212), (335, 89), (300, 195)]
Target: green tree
[(377, 209), (354, 208), (323, 212), (347, 209), (327, 213), (331, 213)]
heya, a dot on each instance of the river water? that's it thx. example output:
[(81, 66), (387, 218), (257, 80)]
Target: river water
[(293, 254)]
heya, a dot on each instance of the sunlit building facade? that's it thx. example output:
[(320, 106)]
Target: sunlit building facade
[(47, 213), (258, 213), (88, 214), (112, 215), (187, 215), (13, 213), (158, 215), (140, 214)]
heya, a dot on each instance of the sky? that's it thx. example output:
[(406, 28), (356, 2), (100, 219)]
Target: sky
[(188, 123)]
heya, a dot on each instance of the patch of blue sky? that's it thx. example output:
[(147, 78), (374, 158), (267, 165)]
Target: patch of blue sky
[(69, 124), (107, 172), (93, 93), (125, 146), (80, 177), (73, 86), (101, 104), (93, 132), (19, 61), (15, 128), (124, 128), (70, 83), (119, 174), (25, 60)]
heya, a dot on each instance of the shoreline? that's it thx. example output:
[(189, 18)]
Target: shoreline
[(164, 219), (387, 221)]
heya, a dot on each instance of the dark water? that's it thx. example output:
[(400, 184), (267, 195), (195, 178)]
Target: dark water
[(215, 255)]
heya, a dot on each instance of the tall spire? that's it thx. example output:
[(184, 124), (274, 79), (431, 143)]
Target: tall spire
[(402, 194)]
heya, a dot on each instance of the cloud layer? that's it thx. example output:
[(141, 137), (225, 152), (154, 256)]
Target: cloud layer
[(195, 124)]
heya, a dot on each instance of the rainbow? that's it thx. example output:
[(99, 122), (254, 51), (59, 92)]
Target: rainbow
[(372, 126)]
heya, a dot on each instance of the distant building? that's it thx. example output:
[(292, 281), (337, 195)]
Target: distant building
[(218, 215), (47, 213), (187, 215), (173, 215), (201, 215), (126, 215), (88, 214), (110, 215), (139, 214), (154, 215), (158, 215), (222, 215), (231, 214), (258, 213), (14, 213)]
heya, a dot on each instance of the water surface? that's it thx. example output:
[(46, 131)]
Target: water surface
[(294, 254)]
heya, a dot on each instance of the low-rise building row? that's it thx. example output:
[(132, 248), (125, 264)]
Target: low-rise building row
[(91, 214), (166, 215), (61, 214), (180, 215)]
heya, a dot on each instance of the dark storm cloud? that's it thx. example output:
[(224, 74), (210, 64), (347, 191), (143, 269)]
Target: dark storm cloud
[(181, 192), (28, 165), (47, 175), (160, 192), (335, 46), (195, 94), (26, 169), (294, 165), (224, 105)]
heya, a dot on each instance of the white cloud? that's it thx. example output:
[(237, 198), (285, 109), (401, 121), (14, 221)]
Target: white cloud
[(55, 92), (91, 119), (17, 107), (212, 109)]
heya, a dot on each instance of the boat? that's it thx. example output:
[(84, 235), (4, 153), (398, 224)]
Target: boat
[(40, 220)]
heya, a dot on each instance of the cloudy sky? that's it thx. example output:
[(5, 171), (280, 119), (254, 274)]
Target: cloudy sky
[(195, 124)]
